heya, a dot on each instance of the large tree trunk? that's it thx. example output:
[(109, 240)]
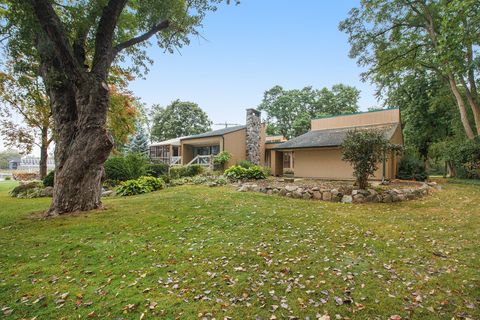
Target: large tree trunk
[(461, 107), (44, 153), (82, 146)]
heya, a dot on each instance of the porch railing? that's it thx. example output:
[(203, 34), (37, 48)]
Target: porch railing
[(206, 161), (175, 161)]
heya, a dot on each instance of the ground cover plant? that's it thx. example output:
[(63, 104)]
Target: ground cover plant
[(195, 252)]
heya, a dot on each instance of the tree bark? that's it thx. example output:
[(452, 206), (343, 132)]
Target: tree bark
[(82, 146), (44, 153), (461, 107)]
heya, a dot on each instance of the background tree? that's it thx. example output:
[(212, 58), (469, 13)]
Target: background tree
[(138, 142), (76, 44), (289, 112), (180, 118), (365, 150), (396, 38), (23, 96), (426, 112)]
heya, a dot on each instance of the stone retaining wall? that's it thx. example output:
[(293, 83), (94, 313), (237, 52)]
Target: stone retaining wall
[(334, 195)]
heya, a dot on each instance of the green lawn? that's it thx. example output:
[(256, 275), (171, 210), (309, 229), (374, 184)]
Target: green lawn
[(192, 252)]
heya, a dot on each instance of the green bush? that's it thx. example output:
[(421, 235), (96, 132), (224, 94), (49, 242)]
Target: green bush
[(364, 150), (185, 171), (49, 179), (244, 164), (241, 173), (157, 169), (154, 183), (222, 158), (411, 168), (26, 190), (123, 168), (139, 186), (8, 178)]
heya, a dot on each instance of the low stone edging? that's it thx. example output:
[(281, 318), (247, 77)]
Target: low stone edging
[(334, 195)]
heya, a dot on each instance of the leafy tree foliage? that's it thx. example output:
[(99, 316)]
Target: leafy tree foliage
[(397, 38), (23, 96), (289, 112), (365, 150), (180, 118), (426, 112)]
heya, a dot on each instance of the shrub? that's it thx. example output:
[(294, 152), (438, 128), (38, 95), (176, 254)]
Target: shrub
[(26, 190), (132, 166), (154, 183), (288, 171), (241, 173), (411, 168), (141, 185), (157, 169), (364, 150), (244, 164), (185, 171), (133, 187), (222, 158), (8, 178), (49, 179)]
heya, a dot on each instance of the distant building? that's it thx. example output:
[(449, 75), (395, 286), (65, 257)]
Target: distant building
[(29, 163)]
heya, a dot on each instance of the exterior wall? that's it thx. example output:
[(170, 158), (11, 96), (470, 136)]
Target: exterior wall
[(360, 119), (328, 164), (235, 143), (276, 162)]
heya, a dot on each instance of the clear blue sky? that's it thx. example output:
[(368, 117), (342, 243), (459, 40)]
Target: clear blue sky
[(252, 47)]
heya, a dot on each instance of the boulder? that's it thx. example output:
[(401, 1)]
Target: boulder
[(387, 198), (47, 192), (291, 188), (108, 193), (297, 194), (315, 189), (327, 196), (347, 199), (283, 192), (306, 195), (243, 188), (359, 198), (317, 195)]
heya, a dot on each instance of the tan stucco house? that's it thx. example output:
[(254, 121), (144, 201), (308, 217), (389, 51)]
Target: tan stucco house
[(315, 154), (318, 153)]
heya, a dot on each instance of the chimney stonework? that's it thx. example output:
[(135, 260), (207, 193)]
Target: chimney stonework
[(253, 137)]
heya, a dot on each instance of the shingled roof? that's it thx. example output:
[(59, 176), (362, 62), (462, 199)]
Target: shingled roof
[(215, 133), (332, 137)]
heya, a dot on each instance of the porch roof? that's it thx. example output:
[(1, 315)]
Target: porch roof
[(332, 137), (215, 133)]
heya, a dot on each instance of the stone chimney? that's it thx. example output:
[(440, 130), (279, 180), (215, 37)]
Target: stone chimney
[(254, 127)]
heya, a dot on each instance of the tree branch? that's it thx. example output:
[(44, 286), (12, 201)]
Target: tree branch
[(104, 36), (53, 27), (133, 41)]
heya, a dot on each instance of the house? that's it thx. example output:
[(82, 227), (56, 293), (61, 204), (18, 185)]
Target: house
[(168, 152), (318, 153), (315, 154), (245, 142)]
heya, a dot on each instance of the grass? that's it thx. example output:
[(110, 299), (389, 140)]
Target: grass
[(195, 252)]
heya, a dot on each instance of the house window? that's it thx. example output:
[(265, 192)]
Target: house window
[(288, 160), (160, 153), (206, 151)]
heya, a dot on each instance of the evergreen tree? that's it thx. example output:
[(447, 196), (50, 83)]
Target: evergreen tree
[(138, 142)]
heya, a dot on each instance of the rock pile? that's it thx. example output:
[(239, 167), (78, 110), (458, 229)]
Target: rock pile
[(334, 195)]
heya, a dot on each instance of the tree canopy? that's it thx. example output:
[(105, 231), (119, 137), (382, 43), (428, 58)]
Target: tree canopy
[(180, 118), (396, 38), (289, 112)]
